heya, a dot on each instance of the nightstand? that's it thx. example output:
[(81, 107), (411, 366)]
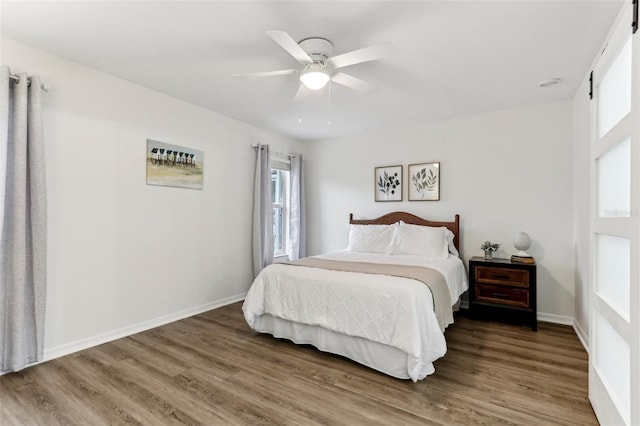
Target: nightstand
[(503, 289)]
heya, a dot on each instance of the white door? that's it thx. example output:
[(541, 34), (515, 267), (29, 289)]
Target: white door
[(614, 361)]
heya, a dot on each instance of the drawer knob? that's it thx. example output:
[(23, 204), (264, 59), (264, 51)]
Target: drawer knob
[(500, 295)]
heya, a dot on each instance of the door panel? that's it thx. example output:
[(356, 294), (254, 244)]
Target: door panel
[(614, 362)]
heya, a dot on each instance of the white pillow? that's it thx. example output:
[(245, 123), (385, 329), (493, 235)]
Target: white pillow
[(370, 238), (449, 236), (418, 240)]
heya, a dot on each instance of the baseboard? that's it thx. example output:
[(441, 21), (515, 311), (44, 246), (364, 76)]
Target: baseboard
[(109, 336), (582, 336), (556, 319), (564, 320), (553, 318)]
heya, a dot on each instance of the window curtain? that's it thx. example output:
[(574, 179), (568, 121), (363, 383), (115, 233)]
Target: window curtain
[(22, 222), (262, 211), (297, 230)]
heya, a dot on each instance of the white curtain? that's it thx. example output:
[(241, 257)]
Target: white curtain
[(22, 222), (297, 230), (262, 211)]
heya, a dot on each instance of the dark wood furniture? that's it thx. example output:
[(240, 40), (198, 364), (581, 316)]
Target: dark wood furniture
[(391, 218), (503, 289)]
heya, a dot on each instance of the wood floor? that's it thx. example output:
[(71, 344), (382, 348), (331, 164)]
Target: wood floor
[(212, 369)]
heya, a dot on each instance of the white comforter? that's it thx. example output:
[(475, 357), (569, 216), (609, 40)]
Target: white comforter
[(390, 310)]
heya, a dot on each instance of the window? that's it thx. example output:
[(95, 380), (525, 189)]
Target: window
[(280, 194)]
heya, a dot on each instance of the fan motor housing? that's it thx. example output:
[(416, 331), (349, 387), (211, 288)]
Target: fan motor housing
[(319, 49)]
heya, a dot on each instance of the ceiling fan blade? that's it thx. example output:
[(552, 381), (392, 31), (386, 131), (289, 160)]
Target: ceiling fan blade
[(365, 54), (302, 93), (353, 82), (266, 73), (290, 45)]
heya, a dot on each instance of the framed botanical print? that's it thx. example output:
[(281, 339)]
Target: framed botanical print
[(424, 182), (388, 183)]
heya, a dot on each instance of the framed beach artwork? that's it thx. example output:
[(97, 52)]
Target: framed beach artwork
[(388, 183), (424, 182), (173, 165)]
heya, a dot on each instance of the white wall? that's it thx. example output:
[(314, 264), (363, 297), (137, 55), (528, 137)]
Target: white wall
[(123, 255), (581, 207), (502, 172)]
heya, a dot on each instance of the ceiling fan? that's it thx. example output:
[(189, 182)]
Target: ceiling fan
[(318, 66)]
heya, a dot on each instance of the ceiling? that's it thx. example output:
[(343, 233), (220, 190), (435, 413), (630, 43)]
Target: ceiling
[(450, 58)]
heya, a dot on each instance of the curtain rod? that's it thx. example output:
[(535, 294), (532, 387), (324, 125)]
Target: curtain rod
[(255, 146), (17, 79)]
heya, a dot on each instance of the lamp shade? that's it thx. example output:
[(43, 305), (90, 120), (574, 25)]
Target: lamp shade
[(314, 77)]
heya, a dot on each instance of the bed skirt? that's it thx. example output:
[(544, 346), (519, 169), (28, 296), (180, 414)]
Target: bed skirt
[(380, 357)]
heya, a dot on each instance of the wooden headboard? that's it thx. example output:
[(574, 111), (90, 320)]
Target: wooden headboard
[(391, 218)]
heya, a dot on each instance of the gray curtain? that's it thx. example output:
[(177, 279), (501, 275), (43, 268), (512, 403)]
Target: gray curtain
[(297, 231), (262, 211), (23, 223)]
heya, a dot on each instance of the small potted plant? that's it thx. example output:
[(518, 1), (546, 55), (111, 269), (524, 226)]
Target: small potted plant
[(489, 248)]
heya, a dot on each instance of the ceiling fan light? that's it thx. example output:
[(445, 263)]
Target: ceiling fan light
[(314, 77)]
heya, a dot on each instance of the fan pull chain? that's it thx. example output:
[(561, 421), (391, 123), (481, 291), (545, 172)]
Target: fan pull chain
[(329, 104)]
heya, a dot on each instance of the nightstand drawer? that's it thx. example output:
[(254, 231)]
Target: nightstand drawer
[(502, 276), (502, 295)]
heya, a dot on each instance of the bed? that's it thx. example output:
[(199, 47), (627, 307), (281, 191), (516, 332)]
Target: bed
[(384, 302)]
